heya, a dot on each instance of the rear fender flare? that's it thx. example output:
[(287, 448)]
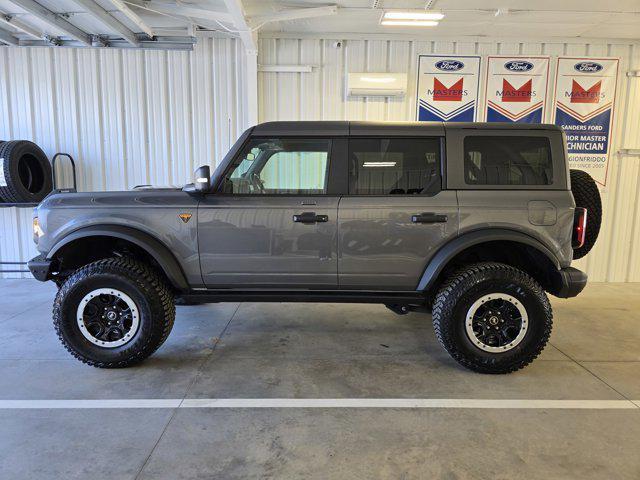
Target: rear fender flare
[(154, 247), (442, 257)]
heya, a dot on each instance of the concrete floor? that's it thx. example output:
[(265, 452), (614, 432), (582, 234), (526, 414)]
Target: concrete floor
[(321, 351)]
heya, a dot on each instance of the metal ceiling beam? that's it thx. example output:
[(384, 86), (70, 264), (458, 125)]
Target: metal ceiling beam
[(7, 38), (19, 25), (108, 20), (131, 15), (159, 42), (54, 19), (245, 32), (186, 11), (295, 14)]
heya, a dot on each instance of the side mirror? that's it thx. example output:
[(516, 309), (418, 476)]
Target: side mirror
[(203, 179)]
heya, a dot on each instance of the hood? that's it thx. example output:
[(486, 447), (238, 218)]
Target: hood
[(146, 196)]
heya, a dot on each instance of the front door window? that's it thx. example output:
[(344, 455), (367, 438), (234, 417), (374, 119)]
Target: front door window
[(280, 167)]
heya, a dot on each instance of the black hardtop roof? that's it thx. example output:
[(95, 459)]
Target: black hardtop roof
[(361, 128)]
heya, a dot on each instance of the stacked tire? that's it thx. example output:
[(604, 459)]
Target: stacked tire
[(25, 172)]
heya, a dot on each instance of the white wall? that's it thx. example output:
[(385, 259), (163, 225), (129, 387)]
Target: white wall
[(321, 95), (128, 117), (151, 117)]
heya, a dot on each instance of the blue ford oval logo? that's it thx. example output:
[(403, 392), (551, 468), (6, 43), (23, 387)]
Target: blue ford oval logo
[(518, 66), (449, 65), (587, 67)]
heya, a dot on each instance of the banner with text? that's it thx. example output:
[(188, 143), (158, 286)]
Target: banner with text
[(585, 94), (516, 89), (448, 88)]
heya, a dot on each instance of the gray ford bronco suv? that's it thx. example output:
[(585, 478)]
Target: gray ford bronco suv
[(472, 222)]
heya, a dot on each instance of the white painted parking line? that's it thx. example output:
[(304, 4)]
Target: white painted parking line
[(77, 404), (402, 403)]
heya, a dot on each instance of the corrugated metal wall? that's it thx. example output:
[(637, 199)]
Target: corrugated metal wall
[(128, 117), (133, 117), (321, 95)]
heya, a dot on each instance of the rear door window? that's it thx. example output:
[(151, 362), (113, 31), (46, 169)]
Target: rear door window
[(394, 166), (507, 160)]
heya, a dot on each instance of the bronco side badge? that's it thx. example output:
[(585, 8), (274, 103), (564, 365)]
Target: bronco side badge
[(185, 217)]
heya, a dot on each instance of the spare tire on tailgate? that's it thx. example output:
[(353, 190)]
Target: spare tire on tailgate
[(586, 194), (25, 172)]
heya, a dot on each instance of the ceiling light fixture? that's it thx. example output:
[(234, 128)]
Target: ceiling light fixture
[(410, 23), (411, 15), (379, 164)]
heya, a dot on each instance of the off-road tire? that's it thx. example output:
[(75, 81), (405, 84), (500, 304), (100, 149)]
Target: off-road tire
[(142, 284), (466, 286), (586, 194), (26, 170)]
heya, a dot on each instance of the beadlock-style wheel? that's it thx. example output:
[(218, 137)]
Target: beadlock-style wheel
[(492, 317), (496, 322), (108, 317)]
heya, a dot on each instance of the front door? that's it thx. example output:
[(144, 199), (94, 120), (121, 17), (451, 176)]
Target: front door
[(274, 222), (396, 215)]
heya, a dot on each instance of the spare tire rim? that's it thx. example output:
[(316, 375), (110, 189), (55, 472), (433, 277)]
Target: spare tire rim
[(108, 317), (496, 322)]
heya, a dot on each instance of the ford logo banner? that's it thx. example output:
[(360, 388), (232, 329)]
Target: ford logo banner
[(518, 66), (587, 67), (449, 65)]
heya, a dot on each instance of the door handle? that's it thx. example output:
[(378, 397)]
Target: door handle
[(429, 217), (310, 217)]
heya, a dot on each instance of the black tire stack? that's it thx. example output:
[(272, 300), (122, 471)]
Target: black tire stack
[(25, 172)]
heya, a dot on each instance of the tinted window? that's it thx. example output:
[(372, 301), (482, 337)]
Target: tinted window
[(280, 166), (507, 161), (403, 166)]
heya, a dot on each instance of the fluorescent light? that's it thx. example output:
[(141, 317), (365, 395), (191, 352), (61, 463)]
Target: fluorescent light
[(410, 23), (379, 164), (412, 15)]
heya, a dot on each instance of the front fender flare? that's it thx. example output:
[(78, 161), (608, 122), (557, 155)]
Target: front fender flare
[(154, 247), (442, 257)]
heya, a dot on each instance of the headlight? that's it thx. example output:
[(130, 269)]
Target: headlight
[(37, 231)]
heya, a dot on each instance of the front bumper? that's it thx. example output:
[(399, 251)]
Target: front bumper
[(40, 268), (568, 282)]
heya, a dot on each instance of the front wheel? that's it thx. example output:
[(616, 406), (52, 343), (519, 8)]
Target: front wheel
[(492, 318), (113, 313)]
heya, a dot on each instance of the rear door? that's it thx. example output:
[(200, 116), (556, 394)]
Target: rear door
[(273, 224), (396, 214)]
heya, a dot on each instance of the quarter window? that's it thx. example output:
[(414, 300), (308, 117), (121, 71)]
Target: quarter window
[(513, 160), (394, 166), (280, 167)]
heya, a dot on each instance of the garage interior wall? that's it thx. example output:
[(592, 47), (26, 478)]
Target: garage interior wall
[(137, 117), (128, 117), (321, 95)]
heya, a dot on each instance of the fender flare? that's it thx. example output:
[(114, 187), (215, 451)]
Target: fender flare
[(158, 250), (442, 257)]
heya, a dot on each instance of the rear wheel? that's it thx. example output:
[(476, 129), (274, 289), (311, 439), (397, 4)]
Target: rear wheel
[(492, 318), (113, 313)]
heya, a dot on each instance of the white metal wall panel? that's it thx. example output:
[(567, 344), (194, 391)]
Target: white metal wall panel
[(321, 95), (132, 117), (128, 117)]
